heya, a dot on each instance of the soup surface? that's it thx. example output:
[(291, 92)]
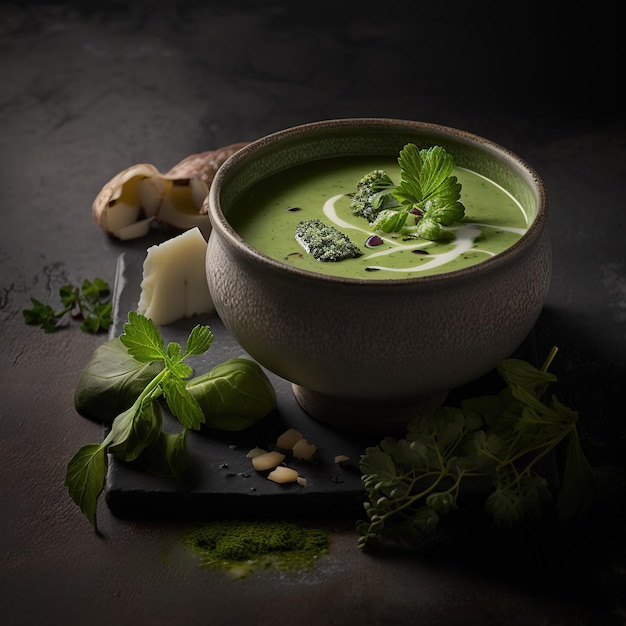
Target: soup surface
[(267, 215)]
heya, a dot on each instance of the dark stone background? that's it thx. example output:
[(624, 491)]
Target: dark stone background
[(89, 89)]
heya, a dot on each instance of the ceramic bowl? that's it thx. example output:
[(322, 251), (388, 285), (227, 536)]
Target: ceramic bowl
[(367, 355)]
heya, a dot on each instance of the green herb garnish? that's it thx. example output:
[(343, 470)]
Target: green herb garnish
[(138, 428), (89, 303), (427, 191), (499, 440), (123, 384)]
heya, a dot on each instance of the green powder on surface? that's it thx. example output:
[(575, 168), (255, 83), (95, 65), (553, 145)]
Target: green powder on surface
[(241, 547)]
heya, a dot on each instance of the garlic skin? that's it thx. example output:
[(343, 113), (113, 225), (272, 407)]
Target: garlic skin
[(174, 284), (127, 205)]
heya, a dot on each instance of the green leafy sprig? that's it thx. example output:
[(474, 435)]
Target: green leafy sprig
[(137, 432), (90, 303), (427, 190), (500, 440)]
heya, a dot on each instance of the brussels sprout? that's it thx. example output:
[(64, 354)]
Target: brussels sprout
[(234, 395)]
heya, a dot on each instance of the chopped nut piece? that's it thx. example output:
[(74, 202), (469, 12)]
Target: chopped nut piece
[(341, 458), (256, 452), (267, 461), (288, 439), (304, 450), (283, 474)]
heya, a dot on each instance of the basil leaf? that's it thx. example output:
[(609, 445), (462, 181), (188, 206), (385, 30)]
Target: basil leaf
[(167, 456), (85, 476), (134, 430), (111, 381)]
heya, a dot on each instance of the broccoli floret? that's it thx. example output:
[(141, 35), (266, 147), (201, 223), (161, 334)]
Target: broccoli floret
[(373, 195), (325, 242)]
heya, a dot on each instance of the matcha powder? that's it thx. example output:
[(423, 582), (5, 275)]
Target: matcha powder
[(241, 547)]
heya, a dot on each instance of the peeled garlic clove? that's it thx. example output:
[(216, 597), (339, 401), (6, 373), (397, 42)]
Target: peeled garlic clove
[(174, 284), (118, 204), (134, 231), (151, 192), (178, 208), (184, 207)]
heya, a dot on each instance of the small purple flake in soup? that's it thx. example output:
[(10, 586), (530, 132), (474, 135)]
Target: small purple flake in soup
[(373, 240), (293, 208), (420, 251), (418, 214)]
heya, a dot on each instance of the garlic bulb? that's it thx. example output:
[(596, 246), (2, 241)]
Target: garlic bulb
[(140, 194)]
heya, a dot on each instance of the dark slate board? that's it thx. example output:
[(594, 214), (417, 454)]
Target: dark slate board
[(221, 482)]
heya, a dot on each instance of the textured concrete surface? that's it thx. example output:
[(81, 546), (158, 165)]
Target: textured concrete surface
[(89, 89)]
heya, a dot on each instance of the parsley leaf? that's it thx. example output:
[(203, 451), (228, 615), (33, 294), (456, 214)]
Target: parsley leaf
[(90, 303), (499, 440), (143, 339)]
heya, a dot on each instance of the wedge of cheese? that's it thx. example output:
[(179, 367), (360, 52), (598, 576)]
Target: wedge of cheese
[(174, 282)]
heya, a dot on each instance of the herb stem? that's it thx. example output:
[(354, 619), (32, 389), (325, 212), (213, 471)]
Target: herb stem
[(549, 359)]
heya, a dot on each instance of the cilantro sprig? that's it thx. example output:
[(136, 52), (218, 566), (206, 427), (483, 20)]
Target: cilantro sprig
[(137, 432), (427, 191), (90, 303), (499, 440)]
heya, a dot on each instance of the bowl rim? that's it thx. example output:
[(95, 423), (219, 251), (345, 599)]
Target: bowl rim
[(237, 160)]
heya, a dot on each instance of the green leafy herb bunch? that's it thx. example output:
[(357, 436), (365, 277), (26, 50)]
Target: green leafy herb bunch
[(427, 191), (139, 428), (499, 440)]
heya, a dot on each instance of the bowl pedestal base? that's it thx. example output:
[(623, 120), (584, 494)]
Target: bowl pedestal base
[(359, 415)]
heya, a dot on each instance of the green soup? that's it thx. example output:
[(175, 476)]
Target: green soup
[(267, 214)]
